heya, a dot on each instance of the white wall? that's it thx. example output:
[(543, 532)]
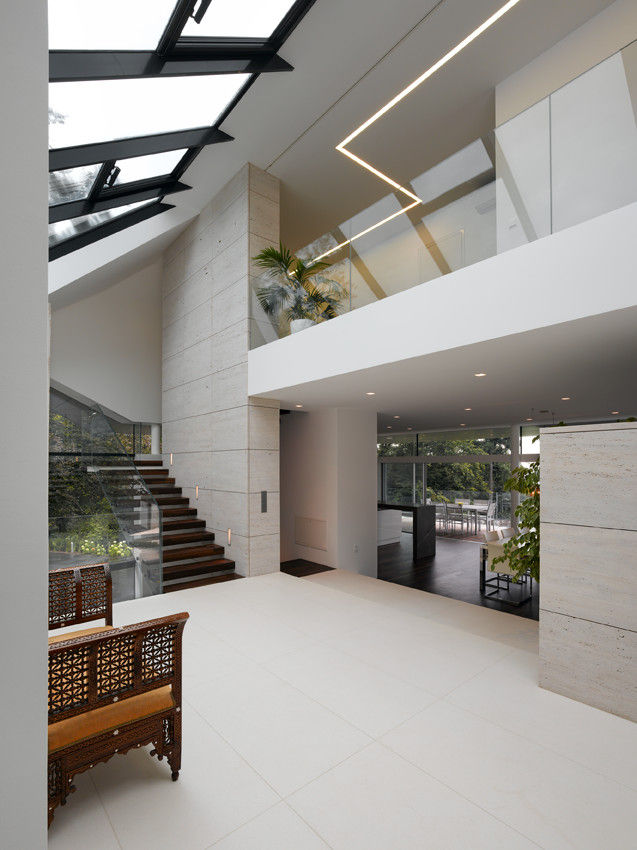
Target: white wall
[(328, 473), (24, 426), (603, 35), (108, 346), (582, 271)]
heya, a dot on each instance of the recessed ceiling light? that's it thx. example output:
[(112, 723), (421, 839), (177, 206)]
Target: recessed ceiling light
[(409, 428), (467, 409), (529, 419), (566, 398), (370, 394), (480, 374), (298, 405), (463, 424), (396, 417), (614, 412), (389, 427)]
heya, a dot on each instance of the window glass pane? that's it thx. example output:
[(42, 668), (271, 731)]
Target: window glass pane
[(399, 483), (61, 230), (248, 19), (71, 184), (102, 110), (116, 25), (397, 446), (153, 165)]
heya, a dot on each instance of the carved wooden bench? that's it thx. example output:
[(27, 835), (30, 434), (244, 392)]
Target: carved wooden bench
[(110, 689)]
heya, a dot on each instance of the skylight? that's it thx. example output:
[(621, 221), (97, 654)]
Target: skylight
[(62, 230), (232, 19), (103, 110), (71, 184), (143, 167), (132, 103), (111, 25)]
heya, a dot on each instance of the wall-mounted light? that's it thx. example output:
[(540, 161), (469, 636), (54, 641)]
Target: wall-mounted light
[(196, 491), (171, 458), (229, 537)]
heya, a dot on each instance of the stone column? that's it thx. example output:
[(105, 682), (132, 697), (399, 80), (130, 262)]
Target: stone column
[(222, 440), (588, 540)]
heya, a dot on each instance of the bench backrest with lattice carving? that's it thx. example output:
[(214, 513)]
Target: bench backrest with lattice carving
[(79, 595), (96, 670)]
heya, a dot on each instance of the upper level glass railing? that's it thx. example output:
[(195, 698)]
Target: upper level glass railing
[(100, 507), (569, 158)]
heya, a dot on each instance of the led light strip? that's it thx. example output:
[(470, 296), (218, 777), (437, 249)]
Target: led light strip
[(341, 147)]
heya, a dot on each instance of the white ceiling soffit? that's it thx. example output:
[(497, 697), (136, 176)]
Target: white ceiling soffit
[(525, 373), (349, 59)]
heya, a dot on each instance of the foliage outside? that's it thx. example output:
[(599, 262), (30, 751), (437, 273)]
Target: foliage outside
[(297, 290), (522, 552)]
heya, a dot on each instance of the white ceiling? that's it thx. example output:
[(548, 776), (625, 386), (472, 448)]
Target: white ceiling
[(525, 374), (349, 59)]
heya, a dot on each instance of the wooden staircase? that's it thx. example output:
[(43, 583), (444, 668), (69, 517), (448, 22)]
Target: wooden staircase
[(190, 556)]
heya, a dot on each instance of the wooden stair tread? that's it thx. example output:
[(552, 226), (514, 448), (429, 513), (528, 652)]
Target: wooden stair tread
[(169, 539), (183, 522), (186, 553), (212, 565), (187, 585), (178, 512), (148, 462)]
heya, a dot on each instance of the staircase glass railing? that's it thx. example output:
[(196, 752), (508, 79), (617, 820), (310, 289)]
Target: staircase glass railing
[(100, 507)]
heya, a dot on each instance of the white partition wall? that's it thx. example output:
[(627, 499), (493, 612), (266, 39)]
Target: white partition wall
[(588, 614), (329, 488), (24, 426)]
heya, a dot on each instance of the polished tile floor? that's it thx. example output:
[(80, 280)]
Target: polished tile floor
[(338, 711)]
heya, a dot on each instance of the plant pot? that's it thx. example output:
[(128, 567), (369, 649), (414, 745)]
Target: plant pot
[(297, 325)]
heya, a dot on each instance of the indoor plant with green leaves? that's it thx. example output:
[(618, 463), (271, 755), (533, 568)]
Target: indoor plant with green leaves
[(297, 291), (522, 552)]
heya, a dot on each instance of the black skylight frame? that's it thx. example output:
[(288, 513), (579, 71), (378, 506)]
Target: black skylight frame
[(174, 56)]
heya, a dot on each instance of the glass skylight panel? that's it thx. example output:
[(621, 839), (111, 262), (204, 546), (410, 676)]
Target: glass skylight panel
[(103, 110), (143, 167), (246, 19), (112, 25), (71, 184), (62, 230)]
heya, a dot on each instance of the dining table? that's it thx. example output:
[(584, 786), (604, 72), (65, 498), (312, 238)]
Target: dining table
[(473, 512)]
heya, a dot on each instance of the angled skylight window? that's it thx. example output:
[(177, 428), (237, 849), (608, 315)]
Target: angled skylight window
[(103, 110), (71, 184), (62, 230), (115, 25), (143, 167), (247, 19)]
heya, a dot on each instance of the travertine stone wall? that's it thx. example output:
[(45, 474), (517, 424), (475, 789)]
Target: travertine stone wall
[(588, 615), (220, 439)]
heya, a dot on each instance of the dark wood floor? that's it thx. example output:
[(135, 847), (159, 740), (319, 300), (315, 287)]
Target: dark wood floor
[(300, 568), (453, 572)]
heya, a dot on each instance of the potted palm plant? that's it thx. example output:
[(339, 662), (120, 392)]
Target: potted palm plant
[(297, 291)]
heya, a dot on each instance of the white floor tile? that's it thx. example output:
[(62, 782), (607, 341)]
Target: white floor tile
[(550, 799), (365, 696), (507, 694), (423, 653), (216, 792), (83, 816), (377, 801), (287, 737), (277, 829)]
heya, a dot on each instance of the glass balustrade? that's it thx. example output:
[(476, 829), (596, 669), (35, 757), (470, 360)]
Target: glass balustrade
[(566, 159), (100, 508)]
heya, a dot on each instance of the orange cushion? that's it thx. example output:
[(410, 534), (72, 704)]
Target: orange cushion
[(99, 720), (79, 633)]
